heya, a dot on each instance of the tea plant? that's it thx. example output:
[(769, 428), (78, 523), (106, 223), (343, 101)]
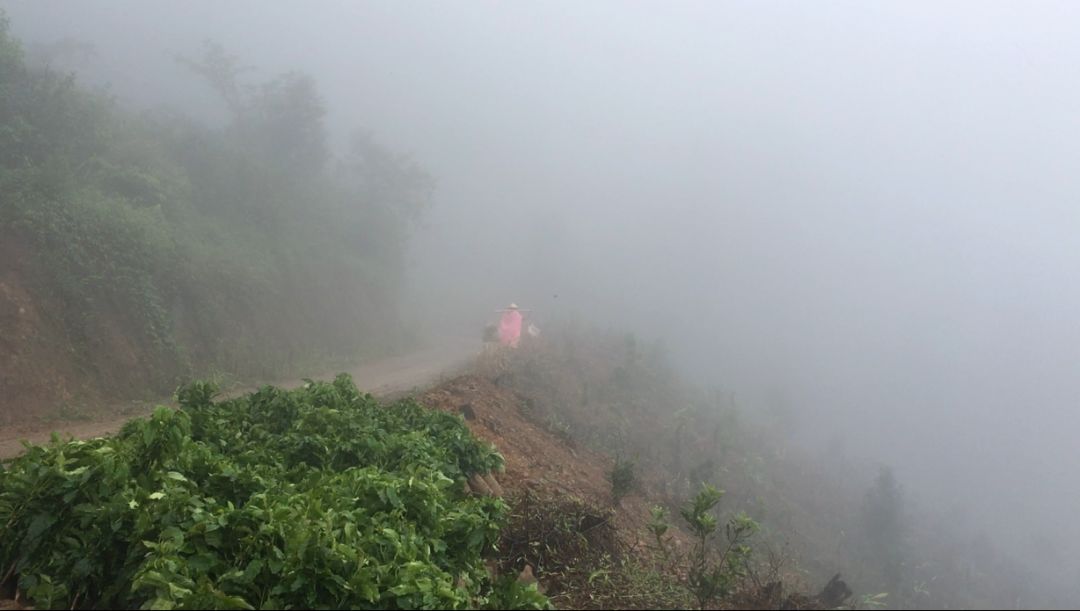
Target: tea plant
[(658, 526), (312, 498), (710, 578)]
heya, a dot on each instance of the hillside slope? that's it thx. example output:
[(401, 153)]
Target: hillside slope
[(588, 549), (567, 407)]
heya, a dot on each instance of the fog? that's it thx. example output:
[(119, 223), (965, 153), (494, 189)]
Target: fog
[(869, 210)]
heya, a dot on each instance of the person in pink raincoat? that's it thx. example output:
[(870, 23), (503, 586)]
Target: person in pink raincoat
[(510, 326)]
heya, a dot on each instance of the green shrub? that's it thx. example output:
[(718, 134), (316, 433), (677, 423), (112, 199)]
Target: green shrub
[(711, 577), (313, 498), (658, 526)]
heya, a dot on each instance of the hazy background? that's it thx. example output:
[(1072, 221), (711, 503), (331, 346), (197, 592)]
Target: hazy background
[(860, 214)]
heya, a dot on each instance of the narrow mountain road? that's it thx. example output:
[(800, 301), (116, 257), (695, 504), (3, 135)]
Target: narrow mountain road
[(382, 378)]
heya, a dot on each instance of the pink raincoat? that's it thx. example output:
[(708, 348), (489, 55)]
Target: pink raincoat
[(510, 328)]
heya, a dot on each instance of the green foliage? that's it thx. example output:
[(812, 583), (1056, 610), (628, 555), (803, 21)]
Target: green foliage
[(102, 254), (510, 593), (698, 513), (658, 526), (622, 479), (711, 578), (312, 498)]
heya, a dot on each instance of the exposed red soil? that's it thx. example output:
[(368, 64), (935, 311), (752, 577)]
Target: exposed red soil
[(35, 368), (541, 461)]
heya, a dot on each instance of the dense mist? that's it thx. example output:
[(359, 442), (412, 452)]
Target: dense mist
[(859, 216)]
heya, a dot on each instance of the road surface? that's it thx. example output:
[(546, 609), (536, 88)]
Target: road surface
[(383, 378)]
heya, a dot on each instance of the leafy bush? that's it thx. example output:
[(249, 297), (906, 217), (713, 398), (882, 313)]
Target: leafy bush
[(311, 498), (510, 593), (708, 578), (658, 525)]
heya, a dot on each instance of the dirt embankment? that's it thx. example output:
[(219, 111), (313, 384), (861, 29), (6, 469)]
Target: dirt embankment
[(566, 529), (85, 367), (537, 459), (36, 368), (58, 360)]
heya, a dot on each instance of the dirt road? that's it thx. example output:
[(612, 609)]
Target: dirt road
[(382, 378)]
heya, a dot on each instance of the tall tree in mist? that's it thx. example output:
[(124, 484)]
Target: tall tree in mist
[(884, 528), (282, 119), (389, 180), (221, 71), (286, 123)]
